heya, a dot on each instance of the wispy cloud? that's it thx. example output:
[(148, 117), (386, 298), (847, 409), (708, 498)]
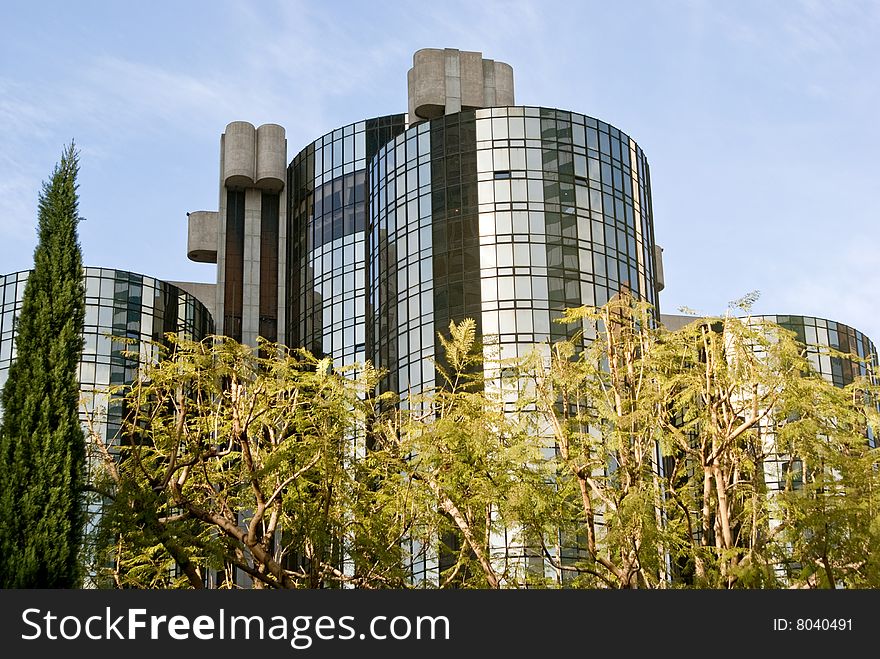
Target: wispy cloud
[(24, 116), (18, 208), (831, 28), (841, 287), (755, 116)]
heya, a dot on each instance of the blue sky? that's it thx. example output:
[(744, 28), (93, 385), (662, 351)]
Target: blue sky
[(759, 120)]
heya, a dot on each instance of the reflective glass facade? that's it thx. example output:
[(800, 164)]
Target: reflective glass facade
[(118, 304), (327, 242), (817, 335), (508, 216)]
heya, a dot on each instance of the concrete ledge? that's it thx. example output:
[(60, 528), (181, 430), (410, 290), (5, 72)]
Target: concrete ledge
[(659, 280), (202, 236)]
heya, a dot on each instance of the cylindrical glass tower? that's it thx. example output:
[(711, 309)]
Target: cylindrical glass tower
[(817, 335), (505, 215), (329, 200), (508, 216)]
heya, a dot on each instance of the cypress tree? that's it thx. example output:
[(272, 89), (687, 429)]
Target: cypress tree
[(42, 446)]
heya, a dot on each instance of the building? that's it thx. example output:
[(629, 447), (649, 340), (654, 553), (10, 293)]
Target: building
[(134, 307), (821, 336), (381, 232), (385, 230), (827, 344), (373, 237), (836, 353), (125, 313)]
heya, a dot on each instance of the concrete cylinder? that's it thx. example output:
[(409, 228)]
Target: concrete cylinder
[(471, 71), (239, 143), (202, 236), (447, 81), (411, 108), (488, 83), (428, 83), (271, 157), (503, 85), (659, 280)]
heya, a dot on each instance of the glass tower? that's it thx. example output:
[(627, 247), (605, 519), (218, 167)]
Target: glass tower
[(818, 335), (507, 216), (327, 243)]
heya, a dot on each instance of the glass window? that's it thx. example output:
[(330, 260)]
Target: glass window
[(484, 129), (518, 159), (533, 128), (485, 161), (503, 224), (533, 160), (487, 256), (502, 191), (541, 322), (489, 289), (499, 128), (505, 288), (505, 255), (524, 321), (490, 322), (536, 191)]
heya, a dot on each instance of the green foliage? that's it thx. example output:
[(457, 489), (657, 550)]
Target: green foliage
[(42, 450), (468, 464), (830, 507), (229, 460), (625, 457), (745, 412), (598, 402)]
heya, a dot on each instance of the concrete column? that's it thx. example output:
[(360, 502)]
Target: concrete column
[(253, 160), (240, 161), (427, 91), (471, 80), (452, 80), (488, 82), (220, 290), (411, 99), (250, 309), (658, 268), (271, 157)]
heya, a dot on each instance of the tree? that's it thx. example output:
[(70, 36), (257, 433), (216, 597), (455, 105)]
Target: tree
[(829, 510), (726, 383), (741, 404), (667, 443), (468, 466), (246, 463), (42, 449), (597, 403), (630, 457)]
